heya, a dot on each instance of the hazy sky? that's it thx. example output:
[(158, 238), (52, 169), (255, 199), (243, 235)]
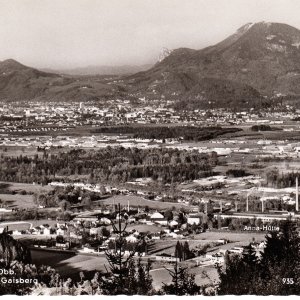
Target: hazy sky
[(72, 33)]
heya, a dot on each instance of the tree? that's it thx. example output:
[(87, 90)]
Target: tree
[(11, 249), (275, 273), (124, 276), (281, 262), (169, 215), (87, 202), (144, 279), (179, 251), (249, 256), (15, 262), (186, 251), (183, 283), (64, 205), (102, 190), (118, 262), (105, 232)]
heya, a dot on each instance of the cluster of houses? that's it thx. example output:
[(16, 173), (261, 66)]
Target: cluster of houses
[(93, 224), (44, 229)]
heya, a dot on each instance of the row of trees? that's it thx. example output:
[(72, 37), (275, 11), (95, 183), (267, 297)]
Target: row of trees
[(237, 173), (182, 251), (264, 127), (281, 180), (189, 133), (64, 197)]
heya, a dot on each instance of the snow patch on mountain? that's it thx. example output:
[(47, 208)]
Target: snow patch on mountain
[(245, 28), (165, 52), (276, 47)]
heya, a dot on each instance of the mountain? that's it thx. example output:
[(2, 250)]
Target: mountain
[(20, 82), (17, 79), (259, 60), (102, 70)]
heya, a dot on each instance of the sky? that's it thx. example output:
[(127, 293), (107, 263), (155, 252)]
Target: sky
[(62, 34)]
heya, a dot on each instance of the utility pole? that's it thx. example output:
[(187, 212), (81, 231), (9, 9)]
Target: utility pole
[(297, 196)]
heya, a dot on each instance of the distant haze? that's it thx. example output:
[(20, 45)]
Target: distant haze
[(64, 34)]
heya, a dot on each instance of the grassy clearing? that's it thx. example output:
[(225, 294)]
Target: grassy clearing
[(20, 201), (34, 188), (204, 275), (232, 236), (136, 201), (19, 226), (24, 225), (68, 265), (144, 228)]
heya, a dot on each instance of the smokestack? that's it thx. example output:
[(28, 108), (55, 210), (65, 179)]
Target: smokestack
[(262, 206), (297, 201), (247, 203), (236, 206), (221, 208), (128, 206)]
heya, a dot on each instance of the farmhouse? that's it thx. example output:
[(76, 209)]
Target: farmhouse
[(159, 219), (194, 219), (165, 257)]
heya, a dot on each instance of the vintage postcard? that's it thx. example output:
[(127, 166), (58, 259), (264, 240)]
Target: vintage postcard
[(149, 147)]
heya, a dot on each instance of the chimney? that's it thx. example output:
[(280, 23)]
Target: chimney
[(297, 190), (221, 208), (128, 207), (247, 203)]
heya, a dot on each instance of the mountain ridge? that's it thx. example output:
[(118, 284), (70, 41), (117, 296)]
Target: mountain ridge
[(101, 70), (259, 61), (262, 59)]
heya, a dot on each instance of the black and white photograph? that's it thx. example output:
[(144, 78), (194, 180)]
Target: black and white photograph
[(149, 148)]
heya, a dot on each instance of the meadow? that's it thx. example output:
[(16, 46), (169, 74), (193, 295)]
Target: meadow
[(135, 201)]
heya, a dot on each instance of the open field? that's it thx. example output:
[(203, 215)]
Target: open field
[(20, 201), (16, 225), (23, 225), (203, 275), (144, 228), (68, 264), (17, 200), (246, 237), (34, 188), (141, 202), (200, 240)]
